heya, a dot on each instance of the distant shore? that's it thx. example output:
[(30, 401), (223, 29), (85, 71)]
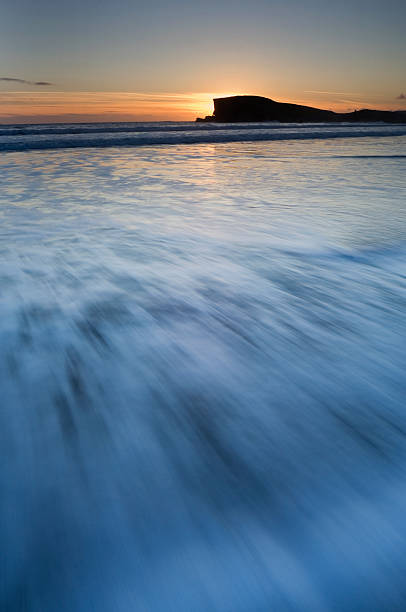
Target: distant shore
[(237, 109)]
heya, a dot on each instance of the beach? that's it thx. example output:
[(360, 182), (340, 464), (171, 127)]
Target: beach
[(202, 361)]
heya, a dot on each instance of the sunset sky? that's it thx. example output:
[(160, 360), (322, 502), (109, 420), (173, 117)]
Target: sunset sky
[(95, 60)]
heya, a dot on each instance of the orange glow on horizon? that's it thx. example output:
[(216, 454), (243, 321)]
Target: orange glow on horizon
[(104, 106), (47, 106)]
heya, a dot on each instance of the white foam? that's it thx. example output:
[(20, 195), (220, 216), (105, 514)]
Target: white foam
[(202, 378)]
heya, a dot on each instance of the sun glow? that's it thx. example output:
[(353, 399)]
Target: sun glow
[(59, 106), (62, 106)]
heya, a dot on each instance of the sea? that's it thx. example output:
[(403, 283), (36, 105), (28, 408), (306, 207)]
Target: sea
[(202, 367)]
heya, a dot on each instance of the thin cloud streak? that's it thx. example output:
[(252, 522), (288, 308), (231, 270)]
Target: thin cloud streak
[(25, 82), (333, 93)]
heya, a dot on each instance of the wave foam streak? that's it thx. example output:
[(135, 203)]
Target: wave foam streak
[(202, 375), (97, 135)]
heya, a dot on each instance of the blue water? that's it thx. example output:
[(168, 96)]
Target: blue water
[(202, 357), (97, 135)]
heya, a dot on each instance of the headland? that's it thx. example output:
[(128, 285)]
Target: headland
[(236, 109)]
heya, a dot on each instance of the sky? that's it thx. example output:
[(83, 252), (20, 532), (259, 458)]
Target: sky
[(98, 60)]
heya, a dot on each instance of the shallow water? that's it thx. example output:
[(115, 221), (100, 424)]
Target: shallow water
[(202, 361)]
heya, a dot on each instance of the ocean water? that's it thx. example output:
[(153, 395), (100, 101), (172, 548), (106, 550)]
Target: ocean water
[(98, 135), (202, 368)]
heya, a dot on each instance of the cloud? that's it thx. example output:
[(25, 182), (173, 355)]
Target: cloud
[(401, 97), (333, 93), (24, 82)]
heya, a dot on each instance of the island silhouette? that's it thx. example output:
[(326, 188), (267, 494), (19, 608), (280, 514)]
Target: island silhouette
[(235, 109)]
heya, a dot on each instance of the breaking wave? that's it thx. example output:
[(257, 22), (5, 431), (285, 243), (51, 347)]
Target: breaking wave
[(59, 136)]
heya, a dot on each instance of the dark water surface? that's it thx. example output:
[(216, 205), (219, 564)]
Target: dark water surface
[(101, 135)]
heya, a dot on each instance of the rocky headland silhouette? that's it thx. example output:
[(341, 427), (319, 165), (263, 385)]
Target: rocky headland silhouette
[(235, 109)]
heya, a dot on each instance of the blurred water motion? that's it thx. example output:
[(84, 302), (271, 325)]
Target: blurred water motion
[(202, 366)]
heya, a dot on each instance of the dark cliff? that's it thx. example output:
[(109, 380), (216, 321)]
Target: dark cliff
[(256, 108)]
